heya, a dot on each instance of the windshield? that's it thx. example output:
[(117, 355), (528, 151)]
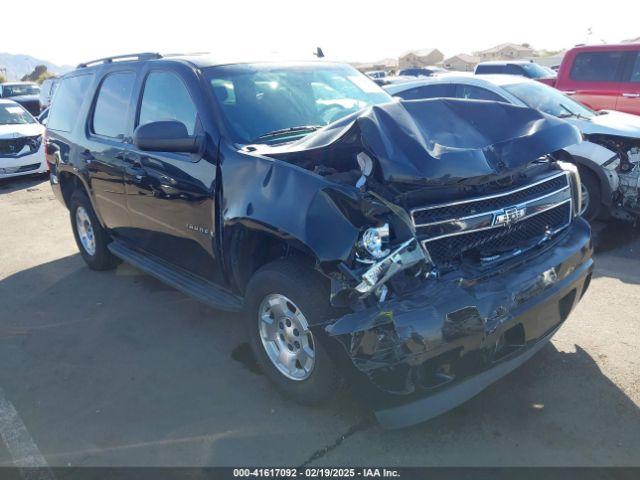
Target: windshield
[(264, 103), (15, 90), (548, 99), (14, 115), (536, 71)]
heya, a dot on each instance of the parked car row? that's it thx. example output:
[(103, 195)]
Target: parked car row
[(21, 140), (415, 250), (24, 93), (608, 157)]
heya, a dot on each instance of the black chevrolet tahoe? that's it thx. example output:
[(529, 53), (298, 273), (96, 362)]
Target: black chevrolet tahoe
[(415, 251)]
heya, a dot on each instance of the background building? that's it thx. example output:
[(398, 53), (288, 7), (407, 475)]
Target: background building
[(420, 58), (461, 62), (506, 51)]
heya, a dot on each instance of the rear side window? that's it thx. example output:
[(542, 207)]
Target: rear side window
[(477, 93), (65, 107), (491, 69), (110, 112), (515, 70), (427, 91), (596, 66), (165, 97)]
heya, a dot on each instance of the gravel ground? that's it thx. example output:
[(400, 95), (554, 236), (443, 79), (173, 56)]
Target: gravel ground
[(114, 368)]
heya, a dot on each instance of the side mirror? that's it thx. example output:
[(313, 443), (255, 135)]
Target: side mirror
[(166, 136)]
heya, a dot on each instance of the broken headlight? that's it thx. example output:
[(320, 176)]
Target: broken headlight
[(613, 163), (372, 244), (405, 256)]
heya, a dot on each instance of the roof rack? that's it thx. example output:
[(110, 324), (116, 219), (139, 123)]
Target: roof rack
[(121, 58)]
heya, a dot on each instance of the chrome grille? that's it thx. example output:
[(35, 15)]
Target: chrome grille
[(490, 226)]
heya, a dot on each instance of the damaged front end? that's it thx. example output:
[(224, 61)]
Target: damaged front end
[(624, 172), (465, 252), (404, 156)]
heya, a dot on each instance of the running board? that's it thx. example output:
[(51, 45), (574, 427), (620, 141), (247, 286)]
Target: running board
[(180, 279)]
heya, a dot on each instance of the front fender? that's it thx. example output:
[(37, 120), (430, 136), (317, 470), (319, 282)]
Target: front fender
[(592, 156), (292, 203)]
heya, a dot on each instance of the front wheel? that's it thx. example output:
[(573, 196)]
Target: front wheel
[(284, 299), (590, 193)]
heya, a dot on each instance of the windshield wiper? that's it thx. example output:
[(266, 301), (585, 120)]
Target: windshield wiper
[(285, 131), (570, 113)]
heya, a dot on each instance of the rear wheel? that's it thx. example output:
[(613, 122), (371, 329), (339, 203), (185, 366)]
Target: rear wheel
[(285, 299), (91, 238)]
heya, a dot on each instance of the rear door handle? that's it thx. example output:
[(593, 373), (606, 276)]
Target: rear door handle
[(569, 92), (631, 95)]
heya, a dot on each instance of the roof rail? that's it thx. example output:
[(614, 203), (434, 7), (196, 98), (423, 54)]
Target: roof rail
[(185, 54), (121, 58)]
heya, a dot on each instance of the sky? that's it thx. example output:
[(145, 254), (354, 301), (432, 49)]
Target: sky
[(347, 30)]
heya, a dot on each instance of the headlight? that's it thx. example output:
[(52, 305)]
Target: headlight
[(576, 185), (35, 142), (374, 241), (613, 163), (405, 256)]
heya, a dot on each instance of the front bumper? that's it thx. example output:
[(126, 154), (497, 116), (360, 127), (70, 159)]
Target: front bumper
[(422, 354), (14, 166)]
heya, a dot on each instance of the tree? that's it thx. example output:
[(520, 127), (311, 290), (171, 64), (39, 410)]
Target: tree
[(2, 78), (39, 74)]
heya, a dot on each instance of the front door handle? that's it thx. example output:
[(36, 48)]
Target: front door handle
[(631, 95), (136, 173), (569, 92), (87, 156)]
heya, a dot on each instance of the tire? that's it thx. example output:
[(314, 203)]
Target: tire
[(99, 257), (591, 184), (308, 293)]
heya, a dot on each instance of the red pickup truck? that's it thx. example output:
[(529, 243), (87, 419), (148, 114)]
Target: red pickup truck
[(603, 77)]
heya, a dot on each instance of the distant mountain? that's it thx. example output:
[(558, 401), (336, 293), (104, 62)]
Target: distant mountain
[(14, 67)]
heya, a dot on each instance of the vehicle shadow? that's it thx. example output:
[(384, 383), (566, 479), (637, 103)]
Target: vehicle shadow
[(8, 185), (614, 235), (558, 409), (115, 368), (617, 251)]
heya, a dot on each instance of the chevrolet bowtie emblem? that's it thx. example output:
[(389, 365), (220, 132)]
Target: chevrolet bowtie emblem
[(509, 216)]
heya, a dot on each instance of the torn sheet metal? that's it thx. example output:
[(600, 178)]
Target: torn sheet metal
[(448, 329)]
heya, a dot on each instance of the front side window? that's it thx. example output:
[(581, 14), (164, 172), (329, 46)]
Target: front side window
[(533, 70), (65, 105), (488, 69), (596, 66), (165, 97), (114, 96), (548, 99), (14, 115), (263, 103), (477, 93)]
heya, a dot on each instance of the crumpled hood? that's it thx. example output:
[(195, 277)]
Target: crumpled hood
[(443, 141), (610, 123), (17, 131)]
